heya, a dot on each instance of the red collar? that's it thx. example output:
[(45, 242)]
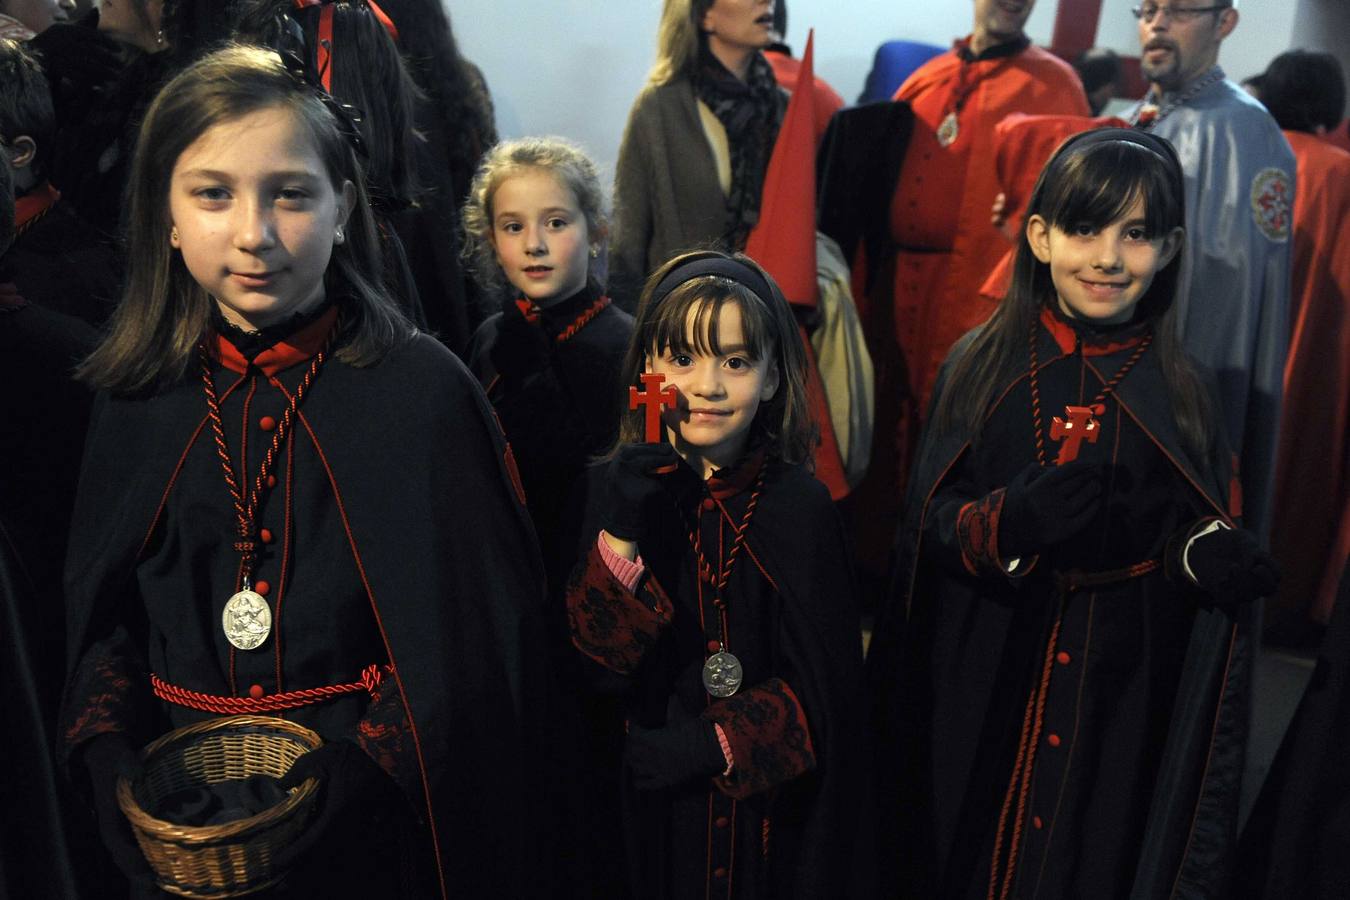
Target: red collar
[(290, 351), (33, 204), (1066, 337), (727, 483)]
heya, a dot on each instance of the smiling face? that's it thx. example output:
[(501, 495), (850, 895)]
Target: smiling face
[(1101, 274), (256, 216), (739, 25), (719, 390), (540, 236), (1176, 50), (1000, 21)]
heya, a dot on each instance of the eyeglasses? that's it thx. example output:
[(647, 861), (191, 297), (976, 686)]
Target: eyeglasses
[(1150, 11)]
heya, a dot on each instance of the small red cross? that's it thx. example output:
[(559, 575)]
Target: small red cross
[(654, 399), (1078, 426)]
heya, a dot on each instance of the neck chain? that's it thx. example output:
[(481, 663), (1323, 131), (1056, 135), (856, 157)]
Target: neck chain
[(1079, 423), (722, 671), (950, 127), (1150, 113), (247, 619)]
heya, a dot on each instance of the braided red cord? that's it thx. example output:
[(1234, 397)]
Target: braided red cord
[(213, 703), (246, 511), (1108, 388), (582, 320), (696, 539)]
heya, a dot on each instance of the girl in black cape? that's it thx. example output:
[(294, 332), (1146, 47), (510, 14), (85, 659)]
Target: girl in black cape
[(715, 596), (1062, 674), (294, 504)]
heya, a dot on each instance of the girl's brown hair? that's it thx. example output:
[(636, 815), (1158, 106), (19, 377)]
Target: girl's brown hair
[(685, 319), (164, 312), (1092, 180)]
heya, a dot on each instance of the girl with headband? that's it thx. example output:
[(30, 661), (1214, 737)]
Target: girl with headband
[(1063, 670), (716, 599), (294, 504)]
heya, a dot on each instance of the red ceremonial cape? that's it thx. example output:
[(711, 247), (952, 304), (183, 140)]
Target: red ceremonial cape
[(1311, 533)]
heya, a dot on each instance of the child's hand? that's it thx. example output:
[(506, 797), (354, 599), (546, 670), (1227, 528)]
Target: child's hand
[(1045, 507), (1229, 565), (521, 348), (631, 481), (664, 757)]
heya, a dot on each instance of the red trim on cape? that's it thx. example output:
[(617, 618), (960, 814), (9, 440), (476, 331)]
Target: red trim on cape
[(291, 351), (388, 646), (726, 484), (1066, 338), (33, 204)]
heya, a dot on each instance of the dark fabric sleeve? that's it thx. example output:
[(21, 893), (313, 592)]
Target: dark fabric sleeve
[(961, 529), (384, 733), (609, 624), (632, 212), (105, 692), (770, 740)]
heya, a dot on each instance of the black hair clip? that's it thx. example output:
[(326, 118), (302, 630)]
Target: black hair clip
[(288, 40)]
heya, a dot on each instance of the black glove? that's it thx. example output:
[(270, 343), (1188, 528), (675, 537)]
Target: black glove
[(353, 790), (106, 757), (632, 482), (1230, 566), (1045, 507), (521, 348), (664, 757)]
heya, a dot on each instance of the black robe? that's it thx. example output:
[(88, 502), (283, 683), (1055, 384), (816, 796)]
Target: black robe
[(62, 263), (397, 538), (560, 416), (1135, 750), (789, 817), (1295, 840)]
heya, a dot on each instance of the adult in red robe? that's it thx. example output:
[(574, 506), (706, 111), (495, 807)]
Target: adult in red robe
[(944, 241), (1305, 92)]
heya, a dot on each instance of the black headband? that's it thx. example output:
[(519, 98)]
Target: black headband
[(1159, 145), (723, 266)]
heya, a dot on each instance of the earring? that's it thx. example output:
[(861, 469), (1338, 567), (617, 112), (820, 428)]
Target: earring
[(173, 235), (159, 38), (338, 236), (595, 251)]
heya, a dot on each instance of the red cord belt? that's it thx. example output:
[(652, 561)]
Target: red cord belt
[(214, 703)]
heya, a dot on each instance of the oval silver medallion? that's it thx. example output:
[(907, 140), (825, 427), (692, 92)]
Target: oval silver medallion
[(247, 620), (722, 674)]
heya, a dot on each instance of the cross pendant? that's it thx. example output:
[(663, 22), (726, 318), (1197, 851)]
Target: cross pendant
[(1077, 426), (653, 397)]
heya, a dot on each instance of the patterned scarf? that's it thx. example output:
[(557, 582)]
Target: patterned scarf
[(751, 112)]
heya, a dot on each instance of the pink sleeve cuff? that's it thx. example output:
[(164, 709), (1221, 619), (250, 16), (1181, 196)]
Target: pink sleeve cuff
[(726, 750), (626, 571)]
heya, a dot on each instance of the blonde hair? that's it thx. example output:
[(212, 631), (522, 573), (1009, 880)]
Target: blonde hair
[(563, 160), (677, 39)]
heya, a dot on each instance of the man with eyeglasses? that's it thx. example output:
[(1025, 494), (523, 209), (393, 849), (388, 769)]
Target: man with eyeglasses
[(1233, 298)]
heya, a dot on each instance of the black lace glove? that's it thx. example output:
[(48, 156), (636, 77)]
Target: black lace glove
[(664, 757), (1230, 566), (106, 757), (632, 482), (1045, 507), (352, 789), (521, 348)]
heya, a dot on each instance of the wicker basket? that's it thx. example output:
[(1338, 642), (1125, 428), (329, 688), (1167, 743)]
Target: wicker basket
[(235, 858)]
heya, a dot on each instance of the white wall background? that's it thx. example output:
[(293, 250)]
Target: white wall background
[(573, 67)]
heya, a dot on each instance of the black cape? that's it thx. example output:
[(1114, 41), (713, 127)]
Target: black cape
[(929, 731), (804, 628), (449, 562)]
